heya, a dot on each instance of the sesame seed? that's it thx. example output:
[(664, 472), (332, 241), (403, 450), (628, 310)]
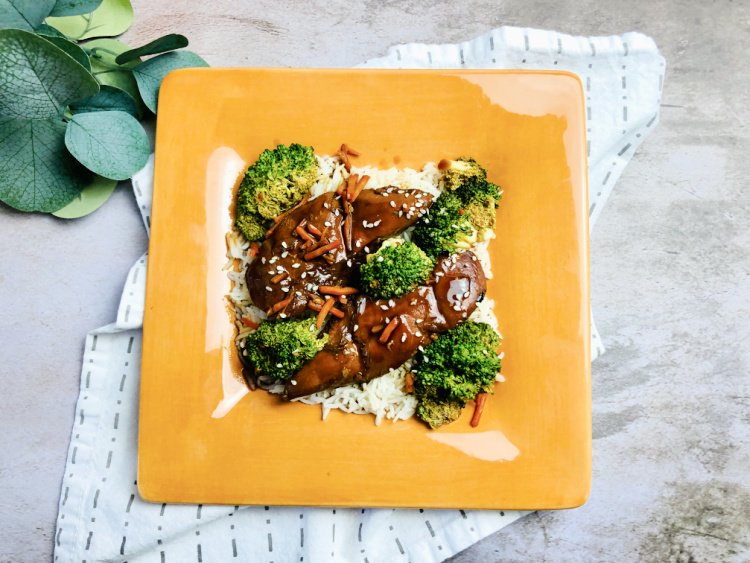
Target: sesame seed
[(465, 314), (279, 365), (271, 272), (296, 265), (358, 244), (298, 293), (304, 275), (327, 205), (274, 259), (380, 258), (293, 381), (282, 315), (284, 244), (400, 213), (393, 203), (426, 220), (285, 289), (413, 302), (284, 254), (387, 320), (365, 224), (391, 302), (419, 321), (349, 263), (327, 223), (263, 260), (425, 359), (367, 250), (420, 348), (268, 288), (418, 334), (376, 223), (384, 307), (355, 328), (403, 338)]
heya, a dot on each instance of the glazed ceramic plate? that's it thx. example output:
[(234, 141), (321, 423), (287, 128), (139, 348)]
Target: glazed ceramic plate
[(533, 446)]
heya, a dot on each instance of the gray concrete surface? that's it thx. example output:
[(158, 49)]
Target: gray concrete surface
[(670, 276)]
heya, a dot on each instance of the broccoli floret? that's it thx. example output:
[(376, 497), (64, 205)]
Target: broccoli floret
[(445, 228), (456, 367), (468, 180), (395, 270), (279, 348), (437, 413), (458, 172), (277, 181), (481, 214)]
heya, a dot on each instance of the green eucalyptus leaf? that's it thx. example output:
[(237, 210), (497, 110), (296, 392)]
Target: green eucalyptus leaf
[(109, 98), (71, 49), (36, 171), (37, 79), (48, 31), (74, 7), (112, 17), (91, 198), (110, 143), (102, 53), (150, 73), (161, 45), (24, 14)]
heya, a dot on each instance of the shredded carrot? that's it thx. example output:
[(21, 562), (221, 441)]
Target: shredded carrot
[(361, 183), (479, 401), (322, 250), (337, 290), (345, 158), (340, 189), (281, 304), (314, 230), (317, 307), (376, 329), (388, 330), (351, 184), (300, 230), (247, 322), (324, 310), (278, 277), (409, 382), (254, 249), (349, 150)]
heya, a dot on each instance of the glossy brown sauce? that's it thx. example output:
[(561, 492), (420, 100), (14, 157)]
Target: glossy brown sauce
[(355, 353), (376, 214), (285, 278)]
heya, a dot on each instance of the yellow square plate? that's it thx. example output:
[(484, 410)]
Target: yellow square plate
[(533, 446)]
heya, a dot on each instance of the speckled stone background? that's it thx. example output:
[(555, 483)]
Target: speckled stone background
[(670, 277)]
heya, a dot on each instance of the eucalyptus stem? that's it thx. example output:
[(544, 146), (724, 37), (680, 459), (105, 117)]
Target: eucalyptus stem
[(87, 18)]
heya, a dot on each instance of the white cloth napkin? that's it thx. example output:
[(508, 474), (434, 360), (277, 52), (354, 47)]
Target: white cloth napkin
[(101, 517)]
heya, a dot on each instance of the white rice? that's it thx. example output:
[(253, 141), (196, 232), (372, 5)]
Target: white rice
[(384, 396)]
